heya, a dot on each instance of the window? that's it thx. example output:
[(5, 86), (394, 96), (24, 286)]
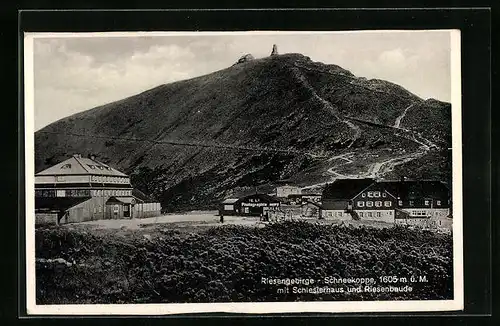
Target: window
[(378, 203), (384, 194), (369, 204), (100, 209), (60, 193), (363, 195), (361, 214), (100, 167), (387, 203), (376, 194), (339, 214), (95, 210), (66, 166), (370, 194), (228, 207), (361, 204), (125, 208), (369, 214), (411, 202), (426, 203), (400, 202), (440, 223), (379, 214), (438, 203), (60, 178), (91, 166), (330, 214)]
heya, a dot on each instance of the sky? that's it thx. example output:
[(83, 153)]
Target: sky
[(73, 74)]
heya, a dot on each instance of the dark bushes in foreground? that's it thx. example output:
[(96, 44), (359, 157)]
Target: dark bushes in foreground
[(227, 264)]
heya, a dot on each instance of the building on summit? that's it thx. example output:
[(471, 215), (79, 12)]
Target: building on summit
[(84, 189)]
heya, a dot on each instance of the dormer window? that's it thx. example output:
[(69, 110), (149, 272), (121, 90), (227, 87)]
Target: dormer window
[(100, 167), (108, 168), (91, 166), (66, 166)]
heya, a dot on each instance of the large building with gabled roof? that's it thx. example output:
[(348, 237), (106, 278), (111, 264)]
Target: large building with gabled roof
[(83, 188), (412, 202)]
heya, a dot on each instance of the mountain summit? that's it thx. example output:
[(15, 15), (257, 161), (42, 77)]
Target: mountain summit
[(254, 124)]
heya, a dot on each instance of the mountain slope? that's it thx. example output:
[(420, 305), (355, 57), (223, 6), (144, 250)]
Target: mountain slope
[(252, 124)]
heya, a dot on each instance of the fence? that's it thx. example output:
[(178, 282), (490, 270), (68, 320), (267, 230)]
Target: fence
[(143, 210)]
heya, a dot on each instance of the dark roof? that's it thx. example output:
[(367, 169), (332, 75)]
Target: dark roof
[(141, 196), (262, 197), (121, 200), (302, 195), (345, 188), (416, 189), (312, 203), (58, 203), (334, 205)]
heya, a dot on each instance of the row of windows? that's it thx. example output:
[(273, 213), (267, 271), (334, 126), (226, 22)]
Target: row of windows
[(373, 194), (100, 167), (45, 193), (106, 179), (418, 213), (81, 193), (337, 214), (426, 203), (111, 192), (372, 214), (377, 203), (361, 214)]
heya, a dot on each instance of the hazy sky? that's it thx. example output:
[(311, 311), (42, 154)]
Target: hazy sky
[(76, 74)]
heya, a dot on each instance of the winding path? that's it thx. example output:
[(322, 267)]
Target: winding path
[(397, 123)]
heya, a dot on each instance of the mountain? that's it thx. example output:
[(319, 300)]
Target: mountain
[(253, 125)]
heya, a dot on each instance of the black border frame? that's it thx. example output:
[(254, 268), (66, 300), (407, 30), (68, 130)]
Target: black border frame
[(475, 25)]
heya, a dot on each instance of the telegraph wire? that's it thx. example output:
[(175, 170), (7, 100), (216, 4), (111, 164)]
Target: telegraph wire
[(189, 143)]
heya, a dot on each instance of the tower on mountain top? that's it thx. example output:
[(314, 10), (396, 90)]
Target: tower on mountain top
[(275, 50)]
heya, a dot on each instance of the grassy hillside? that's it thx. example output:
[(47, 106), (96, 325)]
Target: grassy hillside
[(251, 124)]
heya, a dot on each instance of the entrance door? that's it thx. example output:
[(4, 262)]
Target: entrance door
[(126, 210)]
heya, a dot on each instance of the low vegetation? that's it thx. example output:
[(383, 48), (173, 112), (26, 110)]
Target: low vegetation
[(227, 263)]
